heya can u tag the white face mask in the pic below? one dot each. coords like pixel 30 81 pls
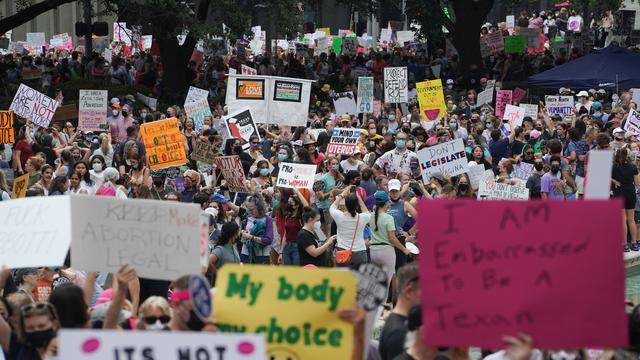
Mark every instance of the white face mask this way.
pixel 156 326
pixel 114 112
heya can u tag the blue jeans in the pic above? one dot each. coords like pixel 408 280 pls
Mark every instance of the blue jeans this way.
pixel 290 254
pixel 256 259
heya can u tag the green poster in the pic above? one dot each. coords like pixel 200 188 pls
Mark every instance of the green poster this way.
pixel 337 45
pixel 515 44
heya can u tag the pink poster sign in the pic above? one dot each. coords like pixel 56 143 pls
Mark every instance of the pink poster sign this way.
pixel 503 97
pixel 552 270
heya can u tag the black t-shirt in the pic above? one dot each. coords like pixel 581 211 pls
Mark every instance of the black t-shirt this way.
pixel 305 239
pixel 404 356
pixel 624 174
pixel 393 336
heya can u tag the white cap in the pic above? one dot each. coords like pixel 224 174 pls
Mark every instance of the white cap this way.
pixel 394 184
pixel 615 131
pixel 115 100
pixel 583 93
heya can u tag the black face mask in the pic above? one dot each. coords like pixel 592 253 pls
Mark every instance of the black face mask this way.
pixel 158 182
pixel 357 183
pixel 194 322
pixel 40 339
pixel 555 169
pixel 318 126
pixel 538 166
pixel 463 187
pixel 539 128
pixel 406 130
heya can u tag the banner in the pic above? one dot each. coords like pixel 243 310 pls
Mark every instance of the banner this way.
pixel 92 110
pixel 515 114
pixel 19 189
pixel 164 143
pixel 597 185
pixel 530 110
pixel 35 231
pixel 491 190
pixel 196 94
pixel 485 97
pixel 516 44
pixel 197 110
pixel 365 95
pixel 293 175
pixel 30 103
pixel 562 105
pixel 158 345
pixel 344 103
pixel 508 275
pixel 633 122
pixel 448 158
pixel 247 70
pixel 503 98
pixel 395 85
pixel 204 152
pixel 343 141
pixel 231 169
pixel 431 99
pixel 6 127
pixel 241 126
pixel 295 309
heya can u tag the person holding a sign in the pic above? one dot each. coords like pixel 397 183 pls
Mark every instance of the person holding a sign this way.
pixel 350 225
pixel 310 252
pixel 289 222
pixel 258 230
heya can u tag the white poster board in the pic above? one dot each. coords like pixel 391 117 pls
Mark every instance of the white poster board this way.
pixel 633 122
pixel 197 110
pixel 395 85
pixel 598 177
pixel 293 175
pixel 36 39
pixel 475 174
pixel 530 110
pixel 485 97
pixel 405 36
pixel 160 239
pixel 30 103
pixel 514 113
pixel 92 110
pixel 448 158
pixel 196 94
pixel 365 95
pixel 35 231
pixel 492 190
pixel 121 33
pixel 562 105
pixel 158 345
pixel 147 42
pixel 344 103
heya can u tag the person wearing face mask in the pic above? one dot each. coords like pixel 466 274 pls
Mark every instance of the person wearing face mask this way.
pixel 139 173
pixel 400 211
pixel 552 184
pixel 184 318
pixel 225 251
pixel 262 176
pixel 393 123
pixel 352 162
pixel 397 160
pixel 289 222
pixel 97 170
pixel 535 180
pixel 310 252
pixel 154 314
pixel 38 326
pixel 115 121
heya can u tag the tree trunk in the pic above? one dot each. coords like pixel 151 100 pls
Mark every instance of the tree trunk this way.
pixel 175 59
pixel 30 13
pixel 470 15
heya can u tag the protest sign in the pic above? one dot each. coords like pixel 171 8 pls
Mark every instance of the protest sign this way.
pixel 515 114
pixel 503 98
pixel 164 143
pixel 491 84
pixel 485 97
pixel 406 36
pixel 241 126
pixel 203 151
pixel 161 240
pixel 30 103
pixel 365 95
pixel 516 44
pixel 147 42
pixel 491 190
pixel 431 99
pixel 532 35
pixel 161 345
pixel 36 39
pixel 510 274
pixel 336 45
pixel 522 171
pixel 343 141
pixel 494 41
pixel 633 122
pixel 574 23
pixel 511 21
pixel 385 35
pixel 296 175
pixel 199 287
pixel 197 110
pixel 19 189
pixel 322 46
pixel 121 33
pixel 448 158
pixel 344 103
pixel 248 70
pixel 518 94
pixel 377 107
pixel 293 307
pixel 6 127
pixel 196 94
pixel 34 231
pixel 150 102
pixel 349 46
pixel 476 171
pixel 395 85
pixel 530 110
pixel 92 110
pixel 231 169
pixel 562 105
pixel 597 184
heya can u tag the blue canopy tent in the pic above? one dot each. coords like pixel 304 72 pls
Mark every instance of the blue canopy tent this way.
pixel 608 68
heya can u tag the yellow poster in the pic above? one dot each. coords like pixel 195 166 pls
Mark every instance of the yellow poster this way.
pixel 295 308
pixel 431 99
pixel 164 143
pixel 325 30
pixel 20 186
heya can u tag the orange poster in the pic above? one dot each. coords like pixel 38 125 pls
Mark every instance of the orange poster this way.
pixel 164 144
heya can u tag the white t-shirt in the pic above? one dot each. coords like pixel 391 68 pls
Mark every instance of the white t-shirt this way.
pixel 108 158
pixel 346 226
pixel 347 166
pixel 97 178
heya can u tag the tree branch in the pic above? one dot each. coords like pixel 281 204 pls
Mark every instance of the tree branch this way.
pixel 29 13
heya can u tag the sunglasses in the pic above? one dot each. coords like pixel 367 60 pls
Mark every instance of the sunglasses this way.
pixel 528 153
pixel 255 143
pixel 39 308
pixel 152 319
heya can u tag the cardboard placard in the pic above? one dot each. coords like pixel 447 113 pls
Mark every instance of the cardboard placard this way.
pixel 518 94
pixel 597 184
pixel 365 95
pixel 197 110
pixel 522 171
pixel 492 190
pixel 431 99
pixel 19 189
pixel 195 94
pixel 204 152
pixel 514 114
pixel 344 103
pixel 633 122
pixel 6 127
pixel 231 169
pixel 530 110
pixel 293 175
pixel 30 103
pixel 448 158
pixel 503 98
pixel 485 97
pixel 562 105
pixel 343 141
pixel 164 143
pixel 241 126
pixel 92 110
pixel 395 85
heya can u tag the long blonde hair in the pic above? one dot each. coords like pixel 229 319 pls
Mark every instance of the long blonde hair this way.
pixel 105 146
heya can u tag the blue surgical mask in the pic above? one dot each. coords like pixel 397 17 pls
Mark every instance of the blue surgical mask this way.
pixel 453 126
pixel 264 172
pixel 282 157
pixel 489 126
pixel 97 166
pixel 391 117
pixel 401 143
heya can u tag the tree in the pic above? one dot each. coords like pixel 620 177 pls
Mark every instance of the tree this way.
pixel 28 11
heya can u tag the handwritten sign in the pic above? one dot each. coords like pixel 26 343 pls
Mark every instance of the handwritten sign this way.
pixel 562 105
pixel 294 308
pixel 164 143
pixel 574 23
pixel 492 190
pixel 503 98
pixel 518 94
pixel 33 231
pixel 485 97
pixel 30 103
pixel 448 158
pixel 231 169
pixel 597 185
pixel 296 175
pixel 516 44
pixel 344 103
pixel 92 110
pixel 36 39
pixel 204 152
pixel 431 99
pixel 395 85
pixel 241 126
pixel 6 127
pixel 19 189
pixel 475 173
pixel 349 46
pixel 405 36
pixel 633 122
pixel 343 141
pixel 197 110
pixel 510 275
pixel 494 41
pixel 158 345
pixel 530 110
pixel 522 171
pixel 365 95
pixel 160 239
pixel 511 21
pixel 532 35
pixel 514 114
pixel 195 94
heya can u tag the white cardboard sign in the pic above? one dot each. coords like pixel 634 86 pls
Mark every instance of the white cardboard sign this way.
pixel 395 85
pixel 196 94
pixel 293 175
pixel 448 158
pixel 92 110
pixel 345 103
pixel 485 96
pixel 514 114
pixel 30 103
pixel 633 122
pixel 492 190
pixel 598 181
pixel 530 110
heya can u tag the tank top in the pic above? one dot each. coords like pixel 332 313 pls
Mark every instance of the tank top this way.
pixel 396 210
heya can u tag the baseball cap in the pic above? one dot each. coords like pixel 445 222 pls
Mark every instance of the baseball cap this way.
pixel 534 134
pixel 617 130
pixel 449 81
pixel 381 196
pixel 438 175
pixel 19 273
pixel 597 105
pixel 394 184
pixel 629 134
pixel 583 93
